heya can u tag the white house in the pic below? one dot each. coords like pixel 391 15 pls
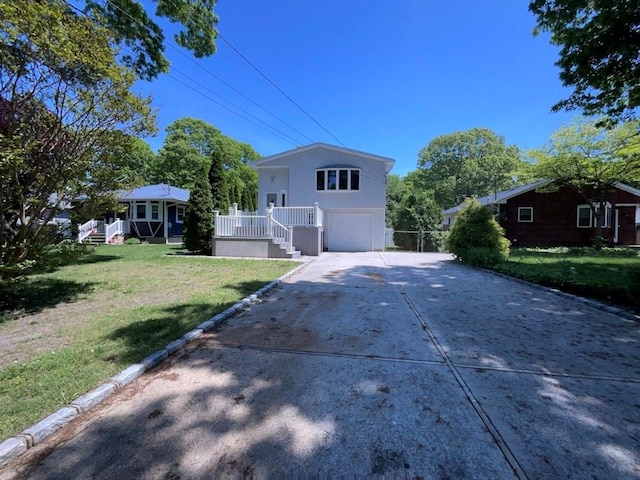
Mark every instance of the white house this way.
pixel 337 191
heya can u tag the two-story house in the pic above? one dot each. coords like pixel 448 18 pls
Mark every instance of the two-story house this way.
pixel 327 198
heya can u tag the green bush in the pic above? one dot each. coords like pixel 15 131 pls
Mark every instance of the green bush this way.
pixel 476 238
pixel 132 241
pixel 198 218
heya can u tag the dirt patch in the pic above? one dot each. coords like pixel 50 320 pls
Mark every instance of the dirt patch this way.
pixel 51 330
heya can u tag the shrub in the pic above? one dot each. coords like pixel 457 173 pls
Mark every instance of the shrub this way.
pixel 476 238
pixel 198 218
pixel 132 241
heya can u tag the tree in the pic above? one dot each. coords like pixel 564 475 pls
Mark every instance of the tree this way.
pixel 64 103
pixel 394 192
pixel 143 38
pixel 462 164
pixel 185 152
pixel 476 237
pixel 198 217
pixel 599 55
pixel 590 159
pixel 189 146
pixel 416 212
pixel 219 193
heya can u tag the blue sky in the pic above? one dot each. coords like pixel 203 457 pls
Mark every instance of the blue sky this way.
pixel 383 77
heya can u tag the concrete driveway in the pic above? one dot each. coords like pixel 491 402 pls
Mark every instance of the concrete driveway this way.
pixel 398 365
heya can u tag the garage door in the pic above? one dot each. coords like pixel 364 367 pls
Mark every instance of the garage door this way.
pixel 350 233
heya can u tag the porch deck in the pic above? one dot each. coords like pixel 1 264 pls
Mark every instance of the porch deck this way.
pixel 236 234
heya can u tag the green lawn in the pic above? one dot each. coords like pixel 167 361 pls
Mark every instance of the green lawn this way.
pixel 71 329
pixel 610 275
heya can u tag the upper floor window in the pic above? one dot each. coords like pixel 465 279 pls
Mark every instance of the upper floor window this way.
pixel 338 179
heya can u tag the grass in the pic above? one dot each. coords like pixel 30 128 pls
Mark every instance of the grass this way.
pixel 85 322
pixel 610 275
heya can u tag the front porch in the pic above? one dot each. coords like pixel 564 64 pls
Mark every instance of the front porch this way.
pixel 283 232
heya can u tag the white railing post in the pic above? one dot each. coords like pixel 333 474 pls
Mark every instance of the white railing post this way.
pixel 290 240
pixel 216 213
pixel 316 214
pixel 269 212
pixel 235 209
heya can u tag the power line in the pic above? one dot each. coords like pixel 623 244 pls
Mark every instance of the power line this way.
pixel 217 77
pixel 278 88
pixel 279 134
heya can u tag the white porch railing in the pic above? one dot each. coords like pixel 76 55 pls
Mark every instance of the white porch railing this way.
pixel 97 226
pixel 298 216
pixel 119 227
pixel 85 229
pixel 277 224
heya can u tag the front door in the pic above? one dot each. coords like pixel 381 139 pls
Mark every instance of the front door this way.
pixel 279 199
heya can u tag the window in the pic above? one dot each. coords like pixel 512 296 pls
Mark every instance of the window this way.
pixel 525 214
pixel 586 219
pixel 141 211
pixel 604 216
pixel 180 214
pixel 331 179
pixel 338 179
pixel 320 180
pixel 355 179
pixel 149 211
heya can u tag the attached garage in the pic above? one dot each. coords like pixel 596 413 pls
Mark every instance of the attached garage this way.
pixel 350 233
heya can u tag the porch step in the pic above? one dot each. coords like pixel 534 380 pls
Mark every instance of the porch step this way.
pixel 95 238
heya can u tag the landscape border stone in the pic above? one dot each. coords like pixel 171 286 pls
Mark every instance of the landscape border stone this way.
pixel 13 447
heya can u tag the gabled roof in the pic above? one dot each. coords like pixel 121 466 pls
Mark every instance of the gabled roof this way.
pixel 156 192
pixel 502 197
pixel 389 162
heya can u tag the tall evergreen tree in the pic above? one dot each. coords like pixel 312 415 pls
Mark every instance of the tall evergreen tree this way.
pixel 198 218
pixel 217 183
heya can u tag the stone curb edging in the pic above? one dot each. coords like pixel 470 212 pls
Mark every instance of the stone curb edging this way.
pixel 570 296
pixel 13 447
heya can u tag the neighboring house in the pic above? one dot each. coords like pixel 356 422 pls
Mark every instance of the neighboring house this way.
pixel 154 213
pixel 332 198
pixel 533 217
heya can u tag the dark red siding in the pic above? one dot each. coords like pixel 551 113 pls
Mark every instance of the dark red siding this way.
pixel 555 219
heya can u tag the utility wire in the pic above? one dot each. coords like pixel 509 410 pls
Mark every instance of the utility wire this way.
pixel 228 85
pixel 278 88
pixel 271 82
pixel 280 133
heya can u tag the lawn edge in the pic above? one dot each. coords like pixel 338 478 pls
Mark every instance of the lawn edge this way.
pixel 621 312
pixel 13 447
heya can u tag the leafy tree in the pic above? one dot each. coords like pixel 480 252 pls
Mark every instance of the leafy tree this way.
pixel 462 164
pixel 198 217
pixel 217 183
pixel 189 146
pixel 476 237
pixel 395 190
pixel 599 55
pixel 417 211
pixel 133 28
pixel 65 102
pixel 591 159
pixel 186 151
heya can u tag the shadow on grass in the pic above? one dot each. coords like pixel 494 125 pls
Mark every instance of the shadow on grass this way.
pixel 93 258
pixel 34 295
pixel 147 336
pixel 168 324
